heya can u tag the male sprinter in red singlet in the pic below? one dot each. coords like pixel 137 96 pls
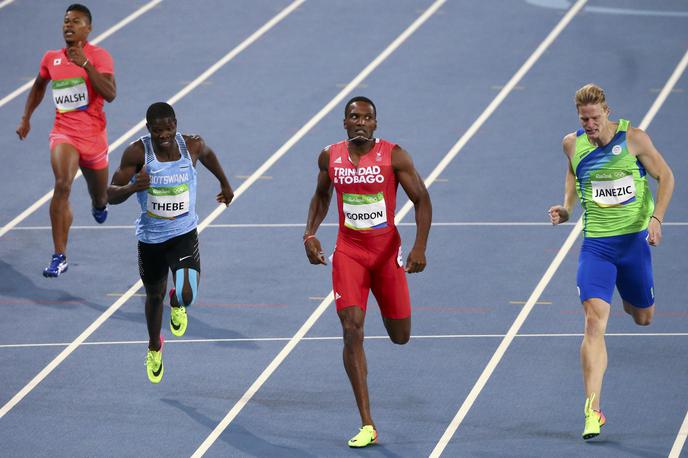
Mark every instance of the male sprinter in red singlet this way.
pixel 82 77
pixel 365 172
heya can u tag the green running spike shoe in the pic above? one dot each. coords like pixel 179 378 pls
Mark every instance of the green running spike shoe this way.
pixel 594 420
pixel 366 436
pixel 178 319
pixel 154 367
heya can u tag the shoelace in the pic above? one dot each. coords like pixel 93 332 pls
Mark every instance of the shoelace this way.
pixel 55 262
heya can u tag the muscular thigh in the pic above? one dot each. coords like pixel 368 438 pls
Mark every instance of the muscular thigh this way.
pixel 596 271
pixel 390 288
pixel 350 280
pixel 634 278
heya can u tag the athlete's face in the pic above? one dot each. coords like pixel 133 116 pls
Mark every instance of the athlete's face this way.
pixel 162 133
pixel 75 27
pixel 360 122
pixel 594 119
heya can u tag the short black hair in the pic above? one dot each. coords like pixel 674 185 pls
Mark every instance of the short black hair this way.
pixel 82 9
pixel 359 98
pixel 159 110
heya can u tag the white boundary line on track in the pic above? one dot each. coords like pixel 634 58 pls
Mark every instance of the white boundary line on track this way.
pixel 680 439
pixel 36 205
pixel 542 284
pixel 290 225
pixel 26 86
pixel 286 350
pixel 5 3
pixel 283 339
pixel 119 302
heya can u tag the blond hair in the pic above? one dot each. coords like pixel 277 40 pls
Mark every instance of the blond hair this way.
pixel 590 94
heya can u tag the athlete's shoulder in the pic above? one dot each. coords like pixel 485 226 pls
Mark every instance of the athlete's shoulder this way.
pixel 568 143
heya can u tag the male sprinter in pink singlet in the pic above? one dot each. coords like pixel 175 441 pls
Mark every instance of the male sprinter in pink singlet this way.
pixel 82 77
pixel 365 172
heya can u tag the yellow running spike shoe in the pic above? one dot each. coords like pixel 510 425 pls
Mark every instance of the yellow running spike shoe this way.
pixel 178 320
pixel 366 436
pixel 594 419
pixel 154 367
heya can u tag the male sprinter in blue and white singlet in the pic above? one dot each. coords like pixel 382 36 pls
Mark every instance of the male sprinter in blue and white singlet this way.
pixel 161 169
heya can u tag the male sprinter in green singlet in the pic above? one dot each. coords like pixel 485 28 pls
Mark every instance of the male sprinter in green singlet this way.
pixel 608 167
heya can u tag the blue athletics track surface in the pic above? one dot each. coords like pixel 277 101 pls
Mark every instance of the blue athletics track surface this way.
pixel 480 93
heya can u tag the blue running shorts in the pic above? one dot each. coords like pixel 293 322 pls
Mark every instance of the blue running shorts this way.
pixel 621 260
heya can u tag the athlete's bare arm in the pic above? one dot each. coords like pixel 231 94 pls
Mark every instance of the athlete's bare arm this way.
pixel 200 151
pixel 561 213
pixel 317 211
pixel 103 83
pixel 416 191
pixel 640 145
pixel 132 163
pixel 32 101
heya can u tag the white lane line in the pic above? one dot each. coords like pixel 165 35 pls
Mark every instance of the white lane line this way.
pixel 680 439
pixel 5 3
pixel 288 225
pixel 267 372
pixel 383 337
pixel 119 302
pixel 174 99
pixel 520 319
pixel 95 41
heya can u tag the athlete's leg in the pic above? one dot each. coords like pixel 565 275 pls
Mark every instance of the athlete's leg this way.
pixel 593 352
pixel 353 319
pixel 155 295
pixel 641 315
pixel 64 159
pixel 398 330
pixel 97 181
pixel 186 294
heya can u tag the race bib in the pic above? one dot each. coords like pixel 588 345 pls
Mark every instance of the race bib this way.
pixel 364 211
pixel 611 189
pixel 70 94
pixel 168 203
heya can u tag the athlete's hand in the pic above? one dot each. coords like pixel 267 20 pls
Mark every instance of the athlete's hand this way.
pixel 142 180
pixel 225 196
pixel 416 261
pixel 75 54
pixel 23 129
pixel 558 214
pixel 314 251
pixel 654 232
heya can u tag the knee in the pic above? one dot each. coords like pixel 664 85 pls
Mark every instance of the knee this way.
pixel 187 297
pixel 353 333
pixel 400 338
pixel 642 320
pixel 63 188
pixel 594 326
pixel 156 299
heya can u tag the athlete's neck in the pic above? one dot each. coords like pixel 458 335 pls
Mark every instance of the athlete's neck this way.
pixel 360 147
pixel 606 135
